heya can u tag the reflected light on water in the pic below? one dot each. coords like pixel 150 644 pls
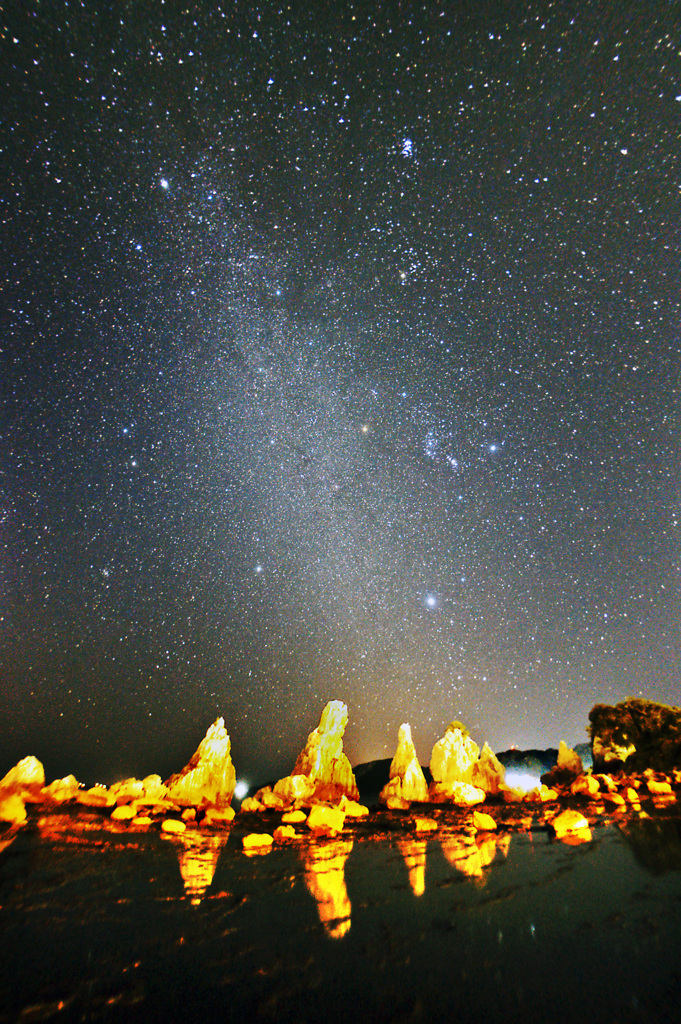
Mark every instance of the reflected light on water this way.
pixel 414 853
pixel 325 880
pixel 198 856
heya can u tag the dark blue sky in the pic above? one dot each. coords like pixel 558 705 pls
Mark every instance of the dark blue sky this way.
pixel 339 358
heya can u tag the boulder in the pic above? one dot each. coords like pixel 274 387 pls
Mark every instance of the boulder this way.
pixel 638 734
pixel 173 825
pixel 570 822
pixel 209 778
pixel 407 781
pixel 62 790
pixel 483 822
pixel 27 774
pixel 295 790
pixel 257 842
pixel 391 796
pixel 585 785
pixel 325 820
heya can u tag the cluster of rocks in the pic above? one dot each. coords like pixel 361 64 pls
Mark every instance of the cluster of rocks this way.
pixel 461 773
pixel 321 791
pixel 201 792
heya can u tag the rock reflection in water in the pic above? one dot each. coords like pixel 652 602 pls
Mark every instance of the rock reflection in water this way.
pixel 656 844
pixel 325 880
pixel 198 855
pixel 473 855
pixel 414 853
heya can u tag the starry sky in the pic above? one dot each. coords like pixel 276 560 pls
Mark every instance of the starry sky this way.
pixel 339 358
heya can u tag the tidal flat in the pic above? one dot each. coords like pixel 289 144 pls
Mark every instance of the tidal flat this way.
pixel 103 922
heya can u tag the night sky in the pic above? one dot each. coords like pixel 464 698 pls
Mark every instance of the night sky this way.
pixel 340 357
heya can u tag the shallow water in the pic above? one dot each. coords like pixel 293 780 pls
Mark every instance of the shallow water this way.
pixel 98 923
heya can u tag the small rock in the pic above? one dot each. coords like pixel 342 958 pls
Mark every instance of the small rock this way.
pixel 325 819
pixel 569 822
pixel 141 820
pixel 657 787
pixel 215 816
pixel 173 825
pixel 249 805
pixel 294 817
pixel 283 833
pixel 483 822
pixel 585 785
pixel 422 824
pixel 124 812
pixel 257 841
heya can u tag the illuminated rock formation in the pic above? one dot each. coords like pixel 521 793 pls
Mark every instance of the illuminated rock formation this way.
pixel 28 774
pixel 407 781
pixel 453 757
pixel 488 771
pixel 414 853
pixel 322 771
pixel 209 778
pixel 325 880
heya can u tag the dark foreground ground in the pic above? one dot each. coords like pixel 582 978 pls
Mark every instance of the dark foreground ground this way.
pixel 99 923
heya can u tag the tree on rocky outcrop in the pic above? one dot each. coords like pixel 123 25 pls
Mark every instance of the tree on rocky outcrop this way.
pixel 635 735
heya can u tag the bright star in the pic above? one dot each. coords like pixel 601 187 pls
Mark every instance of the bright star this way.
pixel 164 183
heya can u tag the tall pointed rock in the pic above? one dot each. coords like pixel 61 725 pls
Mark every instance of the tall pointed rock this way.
pixel 407 781
pixel 209 778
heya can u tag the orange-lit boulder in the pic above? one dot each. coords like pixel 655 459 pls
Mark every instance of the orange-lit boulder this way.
pixel 283 833
pixel 209 778
pixel 569 823
pixel 62 790
pixel 215 816
pixel 585 785
pixel 257 841
pixel 407 781
pixel 483 822
pixel 325 819
pixel 173 825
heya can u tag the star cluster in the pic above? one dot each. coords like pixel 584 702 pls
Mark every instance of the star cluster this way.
pixel 340 358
